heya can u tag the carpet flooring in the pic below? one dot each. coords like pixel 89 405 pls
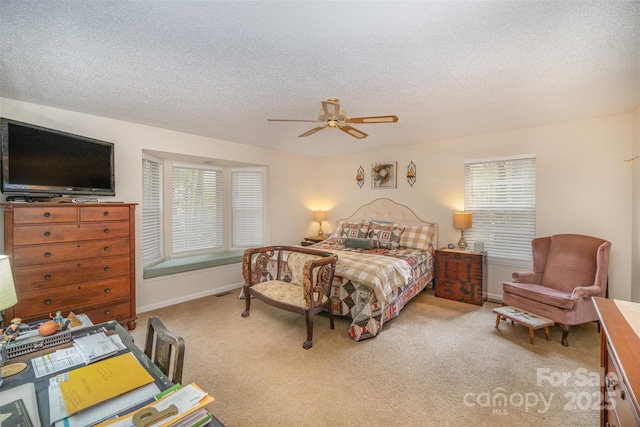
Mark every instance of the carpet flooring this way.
pixel 440 363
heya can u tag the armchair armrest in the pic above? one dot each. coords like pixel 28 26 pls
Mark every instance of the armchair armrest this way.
pixel 527 277
pixel 585 292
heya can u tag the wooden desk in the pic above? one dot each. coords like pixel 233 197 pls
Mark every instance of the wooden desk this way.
pixel 41 384
pixel 620 362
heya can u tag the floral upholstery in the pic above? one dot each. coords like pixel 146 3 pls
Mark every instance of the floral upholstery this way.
pixel 288 293
pixel 295 263
pixel 301 284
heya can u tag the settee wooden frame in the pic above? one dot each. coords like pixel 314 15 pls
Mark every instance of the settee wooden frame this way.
pixel 315 287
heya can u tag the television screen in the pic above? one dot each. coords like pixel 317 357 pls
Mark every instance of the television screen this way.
pixel 39 161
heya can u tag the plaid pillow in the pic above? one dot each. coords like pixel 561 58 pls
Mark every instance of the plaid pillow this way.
pixel 386 236
pixel 417 236
pixel 353 230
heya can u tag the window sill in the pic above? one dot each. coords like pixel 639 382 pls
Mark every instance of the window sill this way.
pixel 198 262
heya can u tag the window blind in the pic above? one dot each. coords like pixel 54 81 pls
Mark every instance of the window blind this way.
pixel 247 208
pixel 501 195
pixel 197 210
pixel 151 211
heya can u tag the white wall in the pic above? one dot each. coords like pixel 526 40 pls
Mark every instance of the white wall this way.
pixel 583 186
pixel 130 139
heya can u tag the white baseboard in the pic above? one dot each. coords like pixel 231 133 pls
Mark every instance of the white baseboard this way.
pixel 184 298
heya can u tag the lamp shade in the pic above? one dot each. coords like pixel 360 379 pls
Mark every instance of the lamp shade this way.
pixel 319 216
pixel 462 220
pixel 8 297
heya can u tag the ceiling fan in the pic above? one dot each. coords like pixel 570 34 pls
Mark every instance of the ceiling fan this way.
pixel 333 117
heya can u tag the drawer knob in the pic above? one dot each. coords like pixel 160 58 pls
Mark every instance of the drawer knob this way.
pixel 47 254
pixel 611 381
pixel 47 301
pixel 106 213
pixel 47 234
pixel 47 276
pixel 107 311
pixel 106 268
pixel 47 214
pixel 106 230
pixel 107 290
pixel 106 248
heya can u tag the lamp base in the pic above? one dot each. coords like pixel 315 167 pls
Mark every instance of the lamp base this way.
pixel 462 244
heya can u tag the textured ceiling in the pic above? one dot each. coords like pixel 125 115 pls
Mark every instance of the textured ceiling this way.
pixel 221 68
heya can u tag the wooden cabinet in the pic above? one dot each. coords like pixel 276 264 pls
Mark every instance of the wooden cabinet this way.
pixel 460 276
pixel 620 362
pixel 72 257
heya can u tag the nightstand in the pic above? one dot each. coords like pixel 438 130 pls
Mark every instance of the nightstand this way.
pixel 308 241
pixel 461 275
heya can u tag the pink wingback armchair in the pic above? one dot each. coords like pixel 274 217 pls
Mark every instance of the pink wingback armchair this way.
pixel 568 269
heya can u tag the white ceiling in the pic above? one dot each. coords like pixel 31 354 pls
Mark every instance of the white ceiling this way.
pixel 221 68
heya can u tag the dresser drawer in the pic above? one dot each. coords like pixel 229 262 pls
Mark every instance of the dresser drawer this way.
pixel 30 279
pixel 617 396
pixel 25 256
pixel 40 303
pixel 44 215
pixel 104 213
pixel 117 310
pixel 58 233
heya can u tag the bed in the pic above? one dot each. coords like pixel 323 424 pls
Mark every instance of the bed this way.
pixel 385 258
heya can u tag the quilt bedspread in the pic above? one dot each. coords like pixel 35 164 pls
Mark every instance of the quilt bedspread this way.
pixel 378 272
pixel 370 304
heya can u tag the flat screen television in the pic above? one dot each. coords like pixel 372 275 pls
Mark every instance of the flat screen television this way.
pixel 37 161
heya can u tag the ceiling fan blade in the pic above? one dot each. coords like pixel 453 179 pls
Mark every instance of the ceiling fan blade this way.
pixel 353 132
pixel 374 119
pixel 312 131
pixel 331 109
pixel 292 120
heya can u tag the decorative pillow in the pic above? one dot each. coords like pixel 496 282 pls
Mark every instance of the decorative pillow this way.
pixel 354 243
pixel 417 236
pixel 354 230
pixel 386 236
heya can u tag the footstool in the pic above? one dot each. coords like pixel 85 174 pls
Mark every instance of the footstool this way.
pixel 530 320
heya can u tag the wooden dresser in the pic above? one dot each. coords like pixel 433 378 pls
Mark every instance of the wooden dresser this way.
pixel 460 276
pixel 620 362
pixel 72 257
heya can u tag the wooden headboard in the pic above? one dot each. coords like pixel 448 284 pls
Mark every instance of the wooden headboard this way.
pixel 387 210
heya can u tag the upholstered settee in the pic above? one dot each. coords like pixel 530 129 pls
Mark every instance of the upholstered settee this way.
pixel 568 269
pixel 301 284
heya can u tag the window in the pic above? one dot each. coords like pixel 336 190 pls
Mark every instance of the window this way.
pixel 151 209
pixel 248 208
pixel 196 209
pixel 200 210
pixel 501 195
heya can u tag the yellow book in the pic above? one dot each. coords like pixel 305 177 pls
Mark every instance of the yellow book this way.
pixel 100 381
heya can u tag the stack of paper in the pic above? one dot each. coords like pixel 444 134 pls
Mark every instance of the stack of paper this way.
pixel 189 401
pixel 94 347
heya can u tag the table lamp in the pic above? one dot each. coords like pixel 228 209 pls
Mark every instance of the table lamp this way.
pixel 8 298
pixel 462 221
pixel 319 216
